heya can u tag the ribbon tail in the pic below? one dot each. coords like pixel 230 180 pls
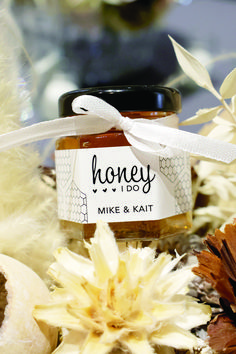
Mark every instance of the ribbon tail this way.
pixel 69 126
pixel 178 139
pixel 35 132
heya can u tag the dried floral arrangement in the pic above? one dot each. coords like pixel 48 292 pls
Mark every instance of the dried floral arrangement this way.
pixel 217 182
pixel 130 300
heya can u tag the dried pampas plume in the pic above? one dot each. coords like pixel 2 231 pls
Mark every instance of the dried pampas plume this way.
pixel 29 229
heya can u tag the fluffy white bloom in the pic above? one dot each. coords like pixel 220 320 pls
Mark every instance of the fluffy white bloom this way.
pixel 129 300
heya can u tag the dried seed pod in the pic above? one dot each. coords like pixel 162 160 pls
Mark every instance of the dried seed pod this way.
pixel 20 290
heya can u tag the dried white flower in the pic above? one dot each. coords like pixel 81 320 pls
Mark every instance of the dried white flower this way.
pixel 129 300
pixel 214 180
pixel 198 73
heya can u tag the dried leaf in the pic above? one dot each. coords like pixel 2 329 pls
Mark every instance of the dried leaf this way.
pixel 218 267
pixel 222 121
pixel 222 334
pixel 228 87
pixel 210 268
pixel 202 116
pixel 192 67
pixel 214 244
pixel 233 100
pixel 228 249
pixel 222 132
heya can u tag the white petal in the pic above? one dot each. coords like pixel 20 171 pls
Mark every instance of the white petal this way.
pixel 61 296
pixel 168 310
pixel 71 343
pixel 71 283
pixel 75 263
pixel 195 315
pixel 57 316
pixel 138 261
pixel 112 335
pixel 174 283
pixel 138 345
pixel 159 266
pixel 93 344
pixel 104 251
pixel 175 337
pixel 84 317
pixel 140 321
pixel 171 265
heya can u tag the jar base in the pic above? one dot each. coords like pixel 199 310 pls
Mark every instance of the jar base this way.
pixel 133 231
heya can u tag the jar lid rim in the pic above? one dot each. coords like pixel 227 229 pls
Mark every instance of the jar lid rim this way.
pixel 127 98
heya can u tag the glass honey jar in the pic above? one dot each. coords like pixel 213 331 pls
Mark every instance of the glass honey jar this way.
pixel 101 176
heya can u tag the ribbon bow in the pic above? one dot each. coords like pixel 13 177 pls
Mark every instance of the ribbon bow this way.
pixel 97 116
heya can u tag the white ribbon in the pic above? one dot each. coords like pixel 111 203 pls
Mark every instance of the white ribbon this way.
pixel 97 116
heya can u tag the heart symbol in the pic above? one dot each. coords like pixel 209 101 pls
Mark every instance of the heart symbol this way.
pixel 114 189
pixel 104 190
pixel 94 190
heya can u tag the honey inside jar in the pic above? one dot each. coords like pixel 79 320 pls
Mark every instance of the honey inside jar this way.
pixel 140 228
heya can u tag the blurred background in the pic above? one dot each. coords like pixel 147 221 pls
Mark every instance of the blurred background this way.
pixel 73 44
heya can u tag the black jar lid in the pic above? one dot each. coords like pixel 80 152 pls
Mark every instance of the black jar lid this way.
pixel 127 98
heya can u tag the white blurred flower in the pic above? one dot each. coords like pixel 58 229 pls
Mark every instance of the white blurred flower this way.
pixel 95 3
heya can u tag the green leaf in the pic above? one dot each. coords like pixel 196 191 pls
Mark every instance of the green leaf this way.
pixel 228 87
pixel 192 67
pixel 203 116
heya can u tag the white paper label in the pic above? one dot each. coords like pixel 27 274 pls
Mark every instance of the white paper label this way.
pixel 121 184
